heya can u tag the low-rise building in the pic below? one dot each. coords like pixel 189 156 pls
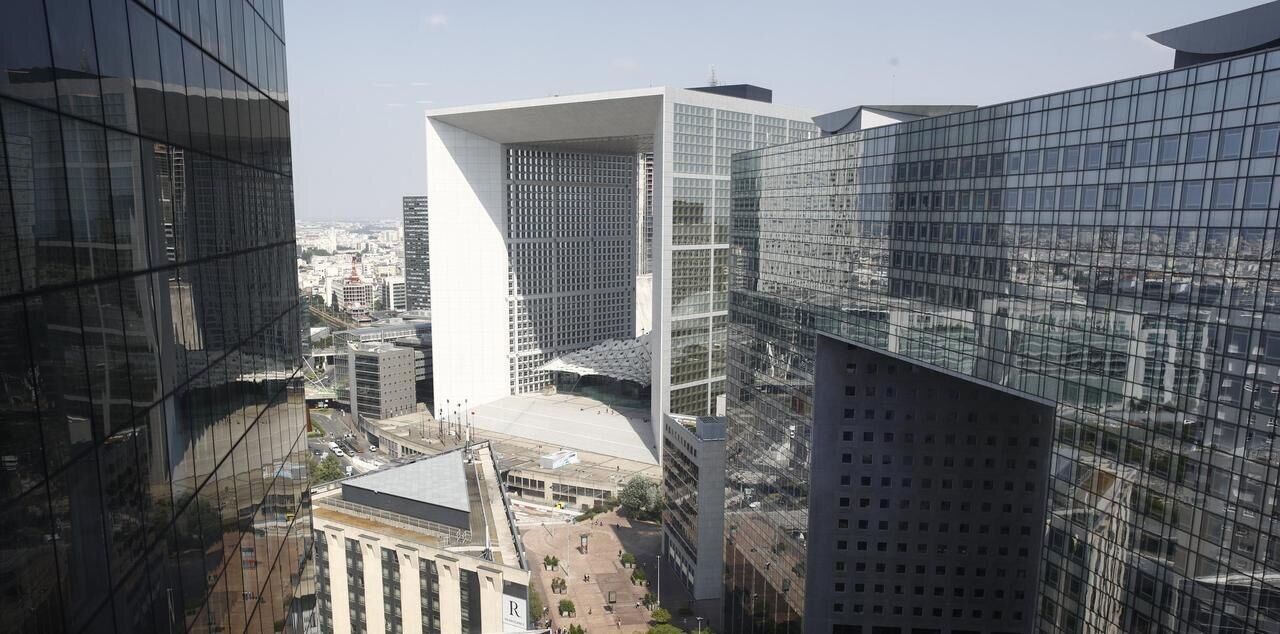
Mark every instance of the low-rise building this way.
pixel 425 546
pixel 693 490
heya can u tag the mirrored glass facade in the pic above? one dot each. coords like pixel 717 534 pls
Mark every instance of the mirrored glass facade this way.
pixel 705 140
pixel 152 457
pixel 1106 253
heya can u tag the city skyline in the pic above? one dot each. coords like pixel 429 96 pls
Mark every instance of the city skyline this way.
pixel 358 127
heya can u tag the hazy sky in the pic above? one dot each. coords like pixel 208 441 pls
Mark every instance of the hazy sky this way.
pixel 362 73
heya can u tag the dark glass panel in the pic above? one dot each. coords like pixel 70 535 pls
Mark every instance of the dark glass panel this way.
pixel 175 92
pixel 189 11
pixel 10 267
pixel 37 180
pixel 89 194
pixel 209 25
pixel 75 58
pixel 213 99
pixel 33 599
pixel 193 60
pixel 149 81
pixel 115 64
pixel 26 71
pixel 76 499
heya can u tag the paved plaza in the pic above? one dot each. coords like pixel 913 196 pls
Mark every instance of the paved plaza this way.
pixel 572 421
pixel 605 539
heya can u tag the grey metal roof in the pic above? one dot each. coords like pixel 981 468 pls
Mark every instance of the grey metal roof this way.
pixel 440 480
pixel 1231 33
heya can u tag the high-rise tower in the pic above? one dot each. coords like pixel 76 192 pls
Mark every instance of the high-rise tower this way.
pixel 417 254
pixel 152 460
pixel 1015 368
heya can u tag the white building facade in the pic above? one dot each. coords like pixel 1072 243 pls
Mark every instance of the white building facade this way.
pixel 539 227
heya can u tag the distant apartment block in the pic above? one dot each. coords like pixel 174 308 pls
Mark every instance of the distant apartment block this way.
pixel 417 254
pixel 393 293
pixel 352 295
pixel 425 546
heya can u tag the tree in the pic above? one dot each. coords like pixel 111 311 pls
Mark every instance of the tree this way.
pixel 640 495
pixel 566 607
pixel 328 470
pixel 638 576
pixel 650 600
pixel 665 628
pixel 660 616
pixel 628 560
pixel 535 604
pixel 576 629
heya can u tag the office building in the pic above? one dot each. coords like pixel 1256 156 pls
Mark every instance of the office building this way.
pixel 1014 368
pixel 417 254
pixel 548 205
pixel 351 294
pixel 423 372
pixel 152 419
pixel 425 546
pixel 375 380
pixel 693 508
pixel 393 293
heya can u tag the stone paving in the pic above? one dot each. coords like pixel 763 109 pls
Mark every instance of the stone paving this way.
pixel 608 534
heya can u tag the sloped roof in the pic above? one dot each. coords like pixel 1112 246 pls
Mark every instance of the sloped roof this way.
pixel 623 359
pixel 836 122
pixel 1231 33
pixel 440 480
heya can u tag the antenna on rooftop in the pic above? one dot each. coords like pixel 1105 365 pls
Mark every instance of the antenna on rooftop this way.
pixel 713 81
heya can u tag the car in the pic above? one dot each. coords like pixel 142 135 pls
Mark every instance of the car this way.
pixel 373 448
pixel 339 453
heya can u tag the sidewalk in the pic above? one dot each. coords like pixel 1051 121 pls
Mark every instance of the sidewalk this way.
pixel 602 564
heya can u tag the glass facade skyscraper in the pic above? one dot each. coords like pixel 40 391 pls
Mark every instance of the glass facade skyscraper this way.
pixel 152 455
pixel 417 253
pixel 919 311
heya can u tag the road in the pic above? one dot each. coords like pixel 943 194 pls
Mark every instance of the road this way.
pixel 336 424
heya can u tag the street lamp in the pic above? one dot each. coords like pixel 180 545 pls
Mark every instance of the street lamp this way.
pixel 659 579
pixel 699 624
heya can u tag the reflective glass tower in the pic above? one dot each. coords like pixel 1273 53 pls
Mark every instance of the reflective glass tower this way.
pixel 152 456
pixel 417 254
pixel 1014 368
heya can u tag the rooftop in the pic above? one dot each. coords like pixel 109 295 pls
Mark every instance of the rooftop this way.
pixel 419 433
pixel 1243 31
pixel 613 121
pixel 419 501
pixel 438 481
